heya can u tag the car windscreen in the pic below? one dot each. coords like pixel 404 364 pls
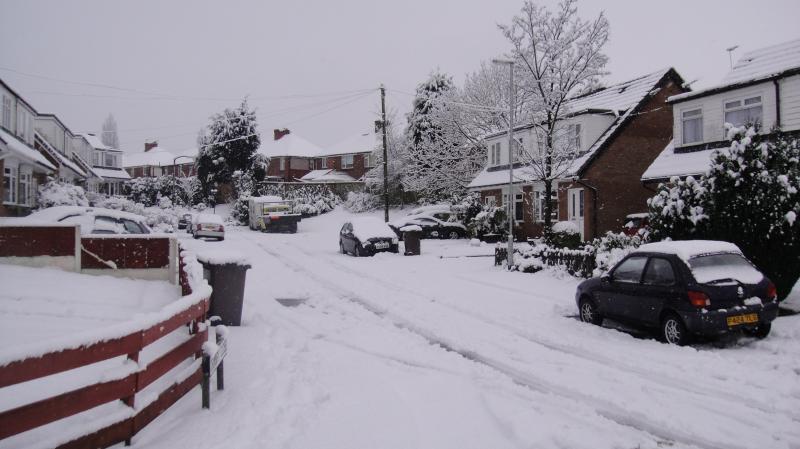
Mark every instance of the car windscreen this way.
pixel 716 267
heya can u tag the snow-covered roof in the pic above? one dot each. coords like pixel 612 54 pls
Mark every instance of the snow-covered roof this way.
pixel 158 157
pixel 686 249
pixel 96 143
pixel 622 99
pixel 289 145
pixel 365 142
pixel 669 164
pixel 111 173
pixel 327 175
pixel 761 64
pixel 21 149
pixel 63 160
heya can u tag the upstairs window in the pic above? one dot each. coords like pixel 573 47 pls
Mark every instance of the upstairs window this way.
pixel 494 154
pixel 347 161
pixel 369 160
pixel 519 149
pixel 22 124
pixel 110 160
pixel 96 158
pixel 692 123
pixel 747 111
pixel 575 137
pixel 6 112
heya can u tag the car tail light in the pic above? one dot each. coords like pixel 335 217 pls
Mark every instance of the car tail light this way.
pixel 772 292
pixel 221 229
pixel 199 227
pixel 699 299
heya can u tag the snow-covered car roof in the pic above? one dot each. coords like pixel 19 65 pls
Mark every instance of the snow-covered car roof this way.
pixel 687 249
pixel 433 208
pixel 413 219
pixel 366 228
pixel 208 219
pixel 57 214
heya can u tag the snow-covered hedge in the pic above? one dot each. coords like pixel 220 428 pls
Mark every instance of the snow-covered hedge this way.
pixel 150 191
pixel 56 193
pixel 308 200
pixel 592 259
pixel 362 202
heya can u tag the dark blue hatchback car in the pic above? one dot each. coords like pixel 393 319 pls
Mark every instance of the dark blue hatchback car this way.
pixel 682 289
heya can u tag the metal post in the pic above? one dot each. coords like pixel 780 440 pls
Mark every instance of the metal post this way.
pixel 220 368
pixel 385 157
pixel 511 196
pixel 206 385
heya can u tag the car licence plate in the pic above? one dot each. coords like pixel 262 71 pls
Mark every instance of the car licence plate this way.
pixel 742 319
pixel 381 245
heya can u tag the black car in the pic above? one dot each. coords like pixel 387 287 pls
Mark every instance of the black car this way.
pixel 432 227
pixel 365 236
pixel 682 289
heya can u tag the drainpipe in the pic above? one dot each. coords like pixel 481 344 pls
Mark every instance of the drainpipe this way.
pixel 777 103
pixel 594 204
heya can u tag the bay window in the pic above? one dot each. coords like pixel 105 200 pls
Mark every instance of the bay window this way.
pixel 10 185
pixel 692 124
pixel 24 194
pixel 747 111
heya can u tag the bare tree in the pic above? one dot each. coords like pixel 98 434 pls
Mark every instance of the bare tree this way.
pixel 557 56
pixel 110 136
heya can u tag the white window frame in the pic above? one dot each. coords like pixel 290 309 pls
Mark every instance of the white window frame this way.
pixel 684 119
pixel 6 112
pixel 490 201
pixel 369 160
pixel 575 131
pixel 110 157
pixel 519 206
pixel 24 196
pixel 12 173
pixel 281 163
pixel 347 161
pixel 742 106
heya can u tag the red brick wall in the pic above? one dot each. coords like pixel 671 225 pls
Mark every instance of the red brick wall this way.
pixel 288 174
pixel 357 171
pixel 617 171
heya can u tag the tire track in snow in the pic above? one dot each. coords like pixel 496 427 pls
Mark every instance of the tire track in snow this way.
pixel 652 376
pixel 602 408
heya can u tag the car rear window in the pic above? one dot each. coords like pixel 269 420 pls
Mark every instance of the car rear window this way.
pixel 716 267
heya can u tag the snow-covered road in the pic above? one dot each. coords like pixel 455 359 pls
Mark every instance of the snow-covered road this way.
pixel 401 352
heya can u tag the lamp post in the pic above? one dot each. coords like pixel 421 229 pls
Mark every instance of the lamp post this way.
pixel 511 197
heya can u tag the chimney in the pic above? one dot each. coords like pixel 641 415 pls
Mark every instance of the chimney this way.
pixel 278 133
pixel 150 145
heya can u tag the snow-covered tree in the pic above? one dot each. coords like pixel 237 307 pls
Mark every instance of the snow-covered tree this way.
pixel 229 145
pixel 557 55
pixel 751 197
pixel 110 135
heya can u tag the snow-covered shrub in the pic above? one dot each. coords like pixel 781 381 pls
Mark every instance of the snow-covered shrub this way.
pixel 240 211
pixel 750 197
pixel 159 219
pixel 610 249
pixel 467 207
pixel 564 234
pixel 491 220
pixel 308 200
pixel 150 191
pixel 362 202
pixel 56 193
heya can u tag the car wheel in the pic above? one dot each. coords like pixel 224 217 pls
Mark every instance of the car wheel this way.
pixel 452 235
pixel 759 332
pixel 673 331
pixel 589 312
pixel 195 236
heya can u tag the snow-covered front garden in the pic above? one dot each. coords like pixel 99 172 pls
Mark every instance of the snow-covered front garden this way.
pixel 444 350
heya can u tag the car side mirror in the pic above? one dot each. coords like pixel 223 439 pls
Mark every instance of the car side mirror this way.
pixel 605 278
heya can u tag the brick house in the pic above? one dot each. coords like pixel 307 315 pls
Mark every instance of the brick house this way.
pixel 353 156
pixel 290 156
pixel 22 165
pixel 763 87
pixel 158 161
pixel 618 130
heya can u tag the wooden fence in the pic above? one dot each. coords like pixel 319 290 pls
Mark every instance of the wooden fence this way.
pixel 193 314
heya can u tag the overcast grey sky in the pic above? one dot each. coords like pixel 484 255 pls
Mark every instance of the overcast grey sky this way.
pixel 200 56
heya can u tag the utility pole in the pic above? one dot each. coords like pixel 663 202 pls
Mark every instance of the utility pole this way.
pixel 511 196
pixel 385 157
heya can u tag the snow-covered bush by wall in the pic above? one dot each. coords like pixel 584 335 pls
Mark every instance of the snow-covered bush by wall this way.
pixel 750 197
pixel 150 191
pixel 308 200
pixel 564 234
pixel 56 193
pixel 491 220
pixel 362 202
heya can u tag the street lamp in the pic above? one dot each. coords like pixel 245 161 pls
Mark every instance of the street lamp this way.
pixel 511 215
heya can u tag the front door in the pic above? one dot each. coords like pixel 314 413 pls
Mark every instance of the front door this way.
pixel 575 208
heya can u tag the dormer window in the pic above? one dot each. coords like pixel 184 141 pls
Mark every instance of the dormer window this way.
pixel 575 136
pixel 494 154
pixel 6 112
pixel 692 124
pixel 519 149
pixel 744 111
